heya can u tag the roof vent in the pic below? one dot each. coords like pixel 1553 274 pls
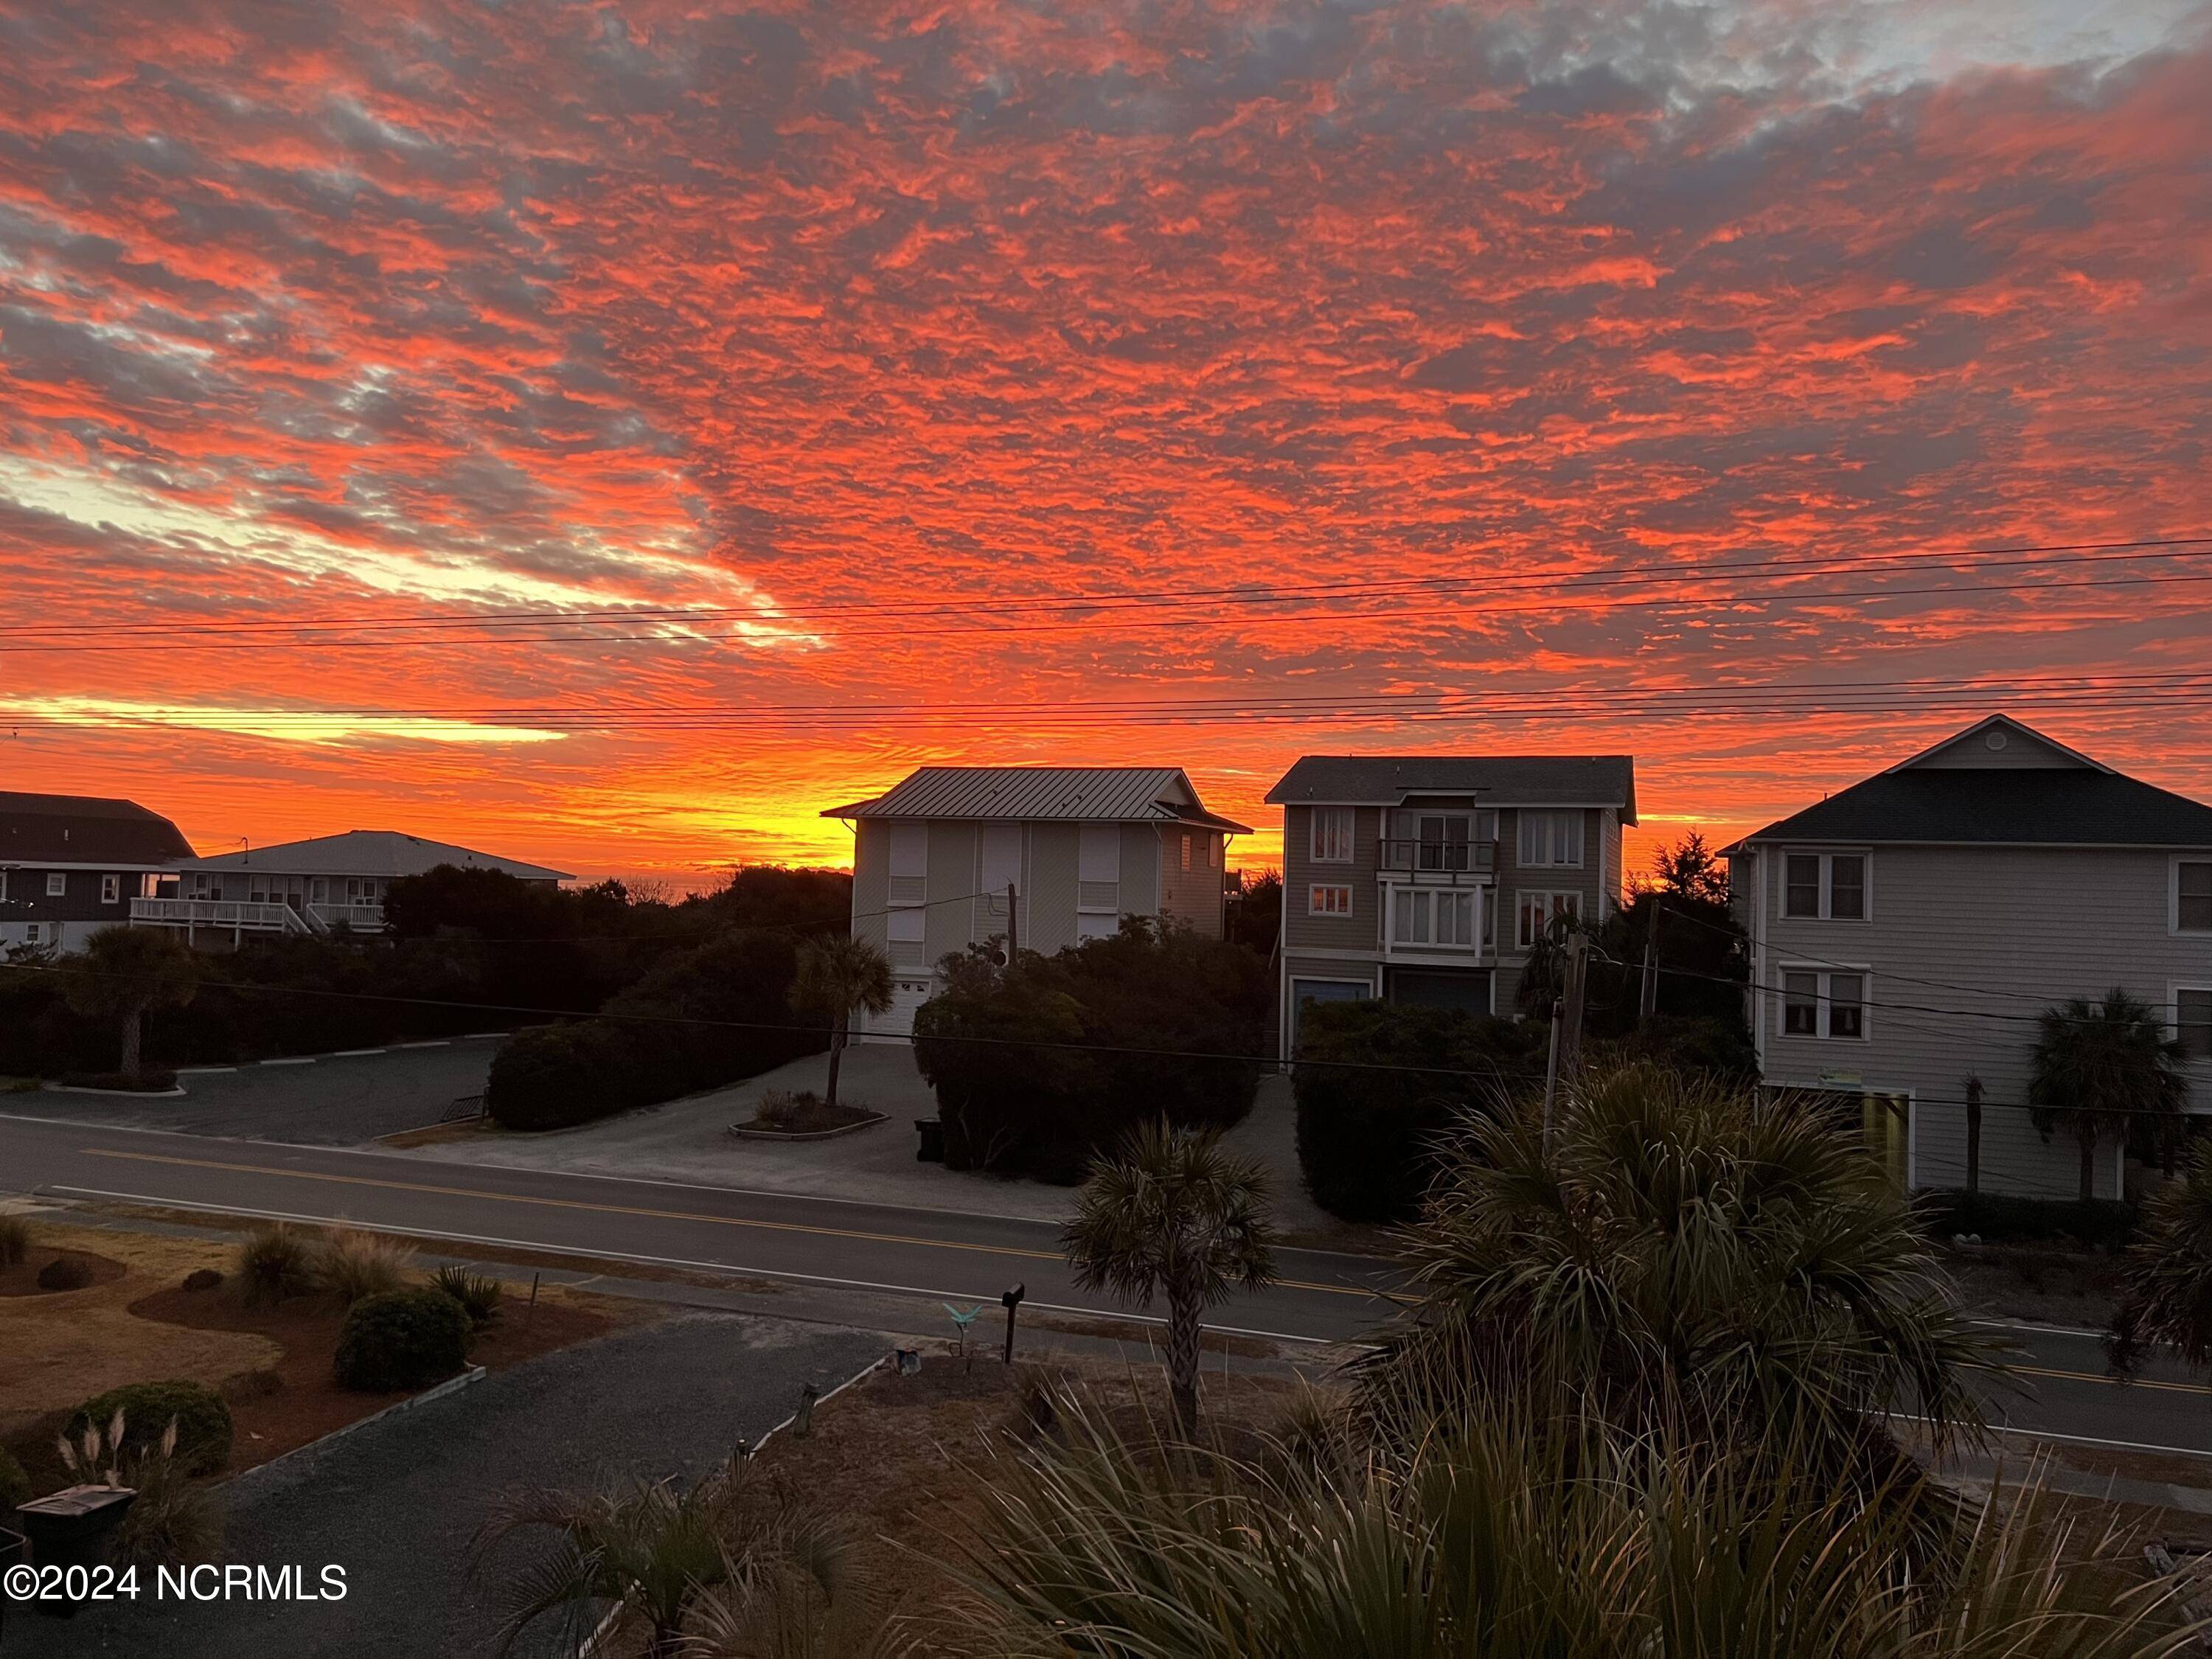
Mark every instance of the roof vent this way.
pixel 1995 739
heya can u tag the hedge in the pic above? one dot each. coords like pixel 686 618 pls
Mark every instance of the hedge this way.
pixel 401 1339
pixel 202 1420
pixel 1997 1219
pixel 1368 1137
pixel 710 1016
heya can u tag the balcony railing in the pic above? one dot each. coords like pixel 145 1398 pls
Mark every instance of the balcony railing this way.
pixel 1443 862
pixel 360 918
pixel 220 913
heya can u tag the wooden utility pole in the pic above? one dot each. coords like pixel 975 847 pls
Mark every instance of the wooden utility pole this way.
pixel 1973 1135
pixel 1648 1004
pixel 1571 1042
pixel 1552 1070
pixel 1013 926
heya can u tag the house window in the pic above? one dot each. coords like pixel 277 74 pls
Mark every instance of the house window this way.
pixel 110 889
pixel 1420 916
pixel 2192 1012
pixel 1846 1005
pixel 1825 886
pixel 1539 910
pixel 1326 901
pixel 1214 851
pixel 1800 1004
pixel 1551 838
pixel 1186 850
pixel 34 933
pixel 56 885
pixel 2192 905
pixel 3 886
pixel 1332 834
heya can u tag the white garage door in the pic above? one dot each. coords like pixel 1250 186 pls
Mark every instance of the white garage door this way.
pixel 907 994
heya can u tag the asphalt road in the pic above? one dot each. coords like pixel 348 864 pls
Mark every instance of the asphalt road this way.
pixel 326 1100
pixel 839 1247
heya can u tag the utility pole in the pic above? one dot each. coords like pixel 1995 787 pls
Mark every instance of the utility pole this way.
pixel 1648 1004
pixel 1013 927
pixel 1571 1043
pixel 1974 1136
pixel 1552 1072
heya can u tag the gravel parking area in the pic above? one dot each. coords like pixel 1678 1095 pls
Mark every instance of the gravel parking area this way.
pixel 329 1100
pixel 397 1503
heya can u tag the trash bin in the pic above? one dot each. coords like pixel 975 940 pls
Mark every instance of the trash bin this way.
pixel 69 1529
pixel 932 1131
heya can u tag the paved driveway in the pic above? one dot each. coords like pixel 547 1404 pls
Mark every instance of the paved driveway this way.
pixel 397 1503
pixel 332 1100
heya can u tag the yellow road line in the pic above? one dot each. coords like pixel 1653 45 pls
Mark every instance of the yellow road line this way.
pixel 2114 1382
pixel 625 1209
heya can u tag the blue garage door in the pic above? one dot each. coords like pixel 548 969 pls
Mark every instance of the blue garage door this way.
pixel 1304 991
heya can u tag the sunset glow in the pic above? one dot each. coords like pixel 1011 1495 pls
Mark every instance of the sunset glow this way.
pixel 609 434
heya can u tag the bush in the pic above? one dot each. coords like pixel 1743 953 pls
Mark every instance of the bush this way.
pixel 2098 1223
pixel 350 1265
pixel 1368 1140
pixel 202 1278
pixel 477 1293
pixel 273 1264
pixel 15 1485
pixel 66 1273
pixel 711 1016
pixel 402 1340
pixel 15 1240
pixel 1040 1067
pixel 203 1421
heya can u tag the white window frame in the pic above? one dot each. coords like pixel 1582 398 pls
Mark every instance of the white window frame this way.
pixel 34 933
pixel 1552 819
pixel 2174 990
pixel 1332 837
pixel 1822 974
pixel 57 884
pixel 1553 909
pixel 2173 894
pixel 1316 908
pixel 110 889
pixel 3 886
pixel 1423 903
pixel 1864 855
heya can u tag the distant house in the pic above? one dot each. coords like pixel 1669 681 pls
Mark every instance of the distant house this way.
pixel 1907 932
pixel 1080 848
pixel 316 886
pixel 1427 878
pixel 71 865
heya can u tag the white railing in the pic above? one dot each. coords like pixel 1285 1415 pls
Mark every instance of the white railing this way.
pixel 219 913
pixel 361 917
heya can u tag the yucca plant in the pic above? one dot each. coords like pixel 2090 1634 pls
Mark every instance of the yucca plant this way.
pixel 2168 1299
pixel 479 1293
pixel 1684 1254
pixel 350 1265
pixel 1173 1214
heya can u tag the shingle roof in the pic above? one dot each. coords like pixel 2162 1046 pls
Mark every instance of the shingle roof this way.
pixel 86 829
pixel 2033 807
pixel 1504 780
pixel 385 853
pixel 1093 794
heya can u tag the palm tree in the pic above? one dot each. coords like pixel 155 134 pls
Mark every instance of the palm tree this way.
pixel 123 972
pixel 2169 1272
pixel 2103 1068
pixel 1174 1214
pixel 1684 1257
pixel 691 1564
pixel 838 975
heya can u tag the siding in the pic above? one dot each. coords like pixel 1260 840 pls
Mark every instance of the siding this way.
pixel 1362 930
pixel 1140 870
pixel 953 874
pixel 2020 927
pixel 1192 896
pixel 872 882
pixel 1048 901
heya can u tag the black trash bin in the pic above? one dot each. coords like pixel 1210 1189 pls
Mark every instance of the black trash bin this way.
pixel 932 1131
pixel 69 1529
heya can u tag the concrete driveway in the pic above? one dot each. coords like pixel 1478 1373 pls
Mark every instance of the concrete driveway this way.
pixel 688 1140
pixel 397 1503
pixel 329 1100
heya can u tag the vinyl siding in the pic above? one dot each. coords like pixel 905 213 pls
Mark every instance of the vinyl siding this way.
pixel 953 874
pixel 1360 931
pixel 872 882
pixel 1192 896
pixel 1140 870
pixel 1048 909
pixel 2020 928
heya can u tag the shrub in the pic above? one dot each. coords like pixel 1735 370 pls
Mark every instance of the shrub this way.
pixel 402 1340
pixel 202 1278
pixel 273 1264
pixel 202 1420
pixel 1368 1140
pixel 477 1293
pixel 1040 1067
pixel 15 1485
pixel 1997 1219
pixel 171 1520
pixel 350 1265
pixel 15 1240
pixel 66 1273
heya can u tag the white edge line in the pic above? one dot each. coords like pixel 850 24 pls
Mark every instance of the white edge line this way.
pixel 291 1060
pixel 730 1268
pixel 2082 1440
pixel 480 1037
pixel 203 1071
pixel 2034 1330
pixel 352 1054
pixel 435 1042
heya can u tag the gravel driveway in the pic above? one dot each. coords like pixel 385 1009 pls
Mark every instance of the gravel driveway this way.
pixel 397 1503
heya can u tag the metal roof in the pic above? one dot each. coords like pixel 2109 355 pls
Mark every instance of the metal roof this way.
pixel 385 853
pixel 1087 794
pixel 1496 780
pixel 86 829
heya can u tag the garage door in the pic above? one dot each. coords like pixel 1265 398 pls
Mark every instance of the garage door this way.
pixel 1304 991
pixel 895 1025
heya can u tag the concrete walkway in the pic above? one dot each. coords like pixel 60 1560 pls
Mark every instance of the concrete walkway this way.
pixel 689 1140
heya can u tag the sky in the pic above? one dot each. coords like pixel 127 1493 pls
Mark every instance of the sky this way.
pixel 609 434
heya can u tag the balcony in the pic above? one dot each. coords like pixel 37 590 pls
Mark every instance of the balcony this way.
pixel 360 918
pixel 234 915
pixel 1439 863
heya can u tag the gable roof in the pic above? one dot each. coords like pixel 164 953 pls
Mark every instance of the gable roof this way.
pixel 2041 793
pixel 386 852
pixel 1503 780
pixel 1076 794
pixel 86 829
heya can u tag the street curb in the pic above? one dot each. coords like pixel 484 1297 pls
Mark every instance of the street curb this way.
pixel 745 1132
pixel 468 1378
pixel 112 1094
